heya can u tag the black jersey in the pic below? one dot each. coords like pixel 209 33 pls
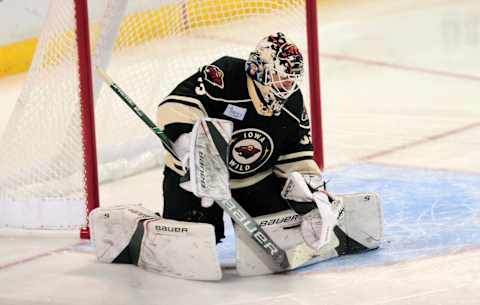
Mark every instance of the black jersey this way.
pixel 262 144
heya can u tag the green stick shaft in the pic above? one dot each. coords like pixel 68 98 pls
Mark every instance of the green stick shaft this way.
pixel 124 97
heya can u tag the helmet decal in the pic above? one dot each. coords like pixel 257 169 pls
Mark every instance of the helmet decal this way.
pixel 277 64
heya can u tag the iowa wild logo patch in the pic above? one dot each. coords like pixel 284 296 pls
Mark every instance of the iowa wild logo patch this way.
pixel 213 75
pixel 249 150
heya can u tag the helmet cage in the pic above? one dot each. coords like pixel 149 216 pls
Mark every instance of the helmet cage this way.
pixel 281 84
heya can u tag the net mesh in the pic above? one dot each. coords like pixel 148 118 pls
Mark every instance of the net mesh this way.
pixel 147 47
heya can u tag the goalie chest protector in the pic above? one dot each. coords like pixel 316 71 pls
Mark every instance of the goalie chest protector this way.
pixel 259 141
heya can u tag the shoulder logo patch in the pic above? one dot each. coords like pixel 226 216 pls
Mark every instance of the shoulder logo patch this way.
pixel 249 149
pixel 214 75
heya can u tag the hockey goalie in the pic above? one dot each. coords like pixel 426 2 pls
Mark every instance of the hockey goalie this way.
pixel 241 134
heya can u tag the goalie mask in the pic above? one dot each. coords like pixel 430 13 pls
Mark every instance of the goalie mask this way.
pixel 276 66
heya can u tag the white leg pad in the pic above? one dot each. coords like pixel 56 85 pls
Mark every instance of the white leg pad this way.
pixel 363 218
pixel 113 227
pixel 180 249
pixel 284 229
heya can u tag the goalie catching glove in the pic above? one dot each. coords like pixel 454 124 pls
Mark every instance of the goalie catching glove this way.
pixel 318 219
pixel 207 173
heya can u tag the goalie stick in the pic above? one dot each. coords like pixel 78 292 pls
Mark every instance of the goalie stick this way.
pixel 163 137
pixel 286 260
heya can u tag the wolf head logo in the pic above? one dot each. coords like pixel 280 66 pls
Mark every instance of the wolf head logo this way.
pixel 247 151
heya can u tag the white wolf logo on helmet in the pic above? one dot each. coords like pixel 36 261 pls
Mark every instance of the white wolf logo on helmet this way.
pixel 277 65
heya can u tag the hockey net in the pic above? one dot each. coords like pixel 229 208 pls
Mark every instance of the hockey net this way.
pixel 147 47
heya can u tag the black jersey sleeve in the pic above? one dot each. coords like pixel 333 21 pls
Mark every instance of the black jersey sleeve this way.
pixel 204 94
pixel 178 112
pixel 297 152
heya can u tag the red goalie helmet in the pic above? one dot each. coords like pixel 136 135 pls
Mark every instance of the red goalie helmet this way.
pixel 277 65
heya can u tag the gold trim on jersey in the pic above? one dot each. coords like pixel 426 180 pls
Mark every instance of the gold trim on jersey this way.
pixel 299 154
pixel 256 100
pixel 309 167
pixel 245 182
pixel 173 164
pixel 168 113
pixel 185 99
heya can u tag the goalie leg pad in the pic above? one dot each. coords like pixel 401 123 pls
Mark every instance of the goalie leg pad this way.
pixel 112 229
pixel 284 229
pixel 360 227
pixel 180 249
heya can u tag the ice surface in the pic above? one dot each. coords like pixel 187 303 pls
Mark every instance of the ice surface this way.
pixel 401 117
pixel 427 213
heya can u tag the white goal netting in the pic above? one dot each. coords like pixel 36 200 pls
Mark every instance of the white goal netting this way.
pixel 147 47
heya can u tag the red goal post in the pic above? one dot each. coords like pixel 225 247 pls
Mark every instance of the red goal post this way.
pixel 67 133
